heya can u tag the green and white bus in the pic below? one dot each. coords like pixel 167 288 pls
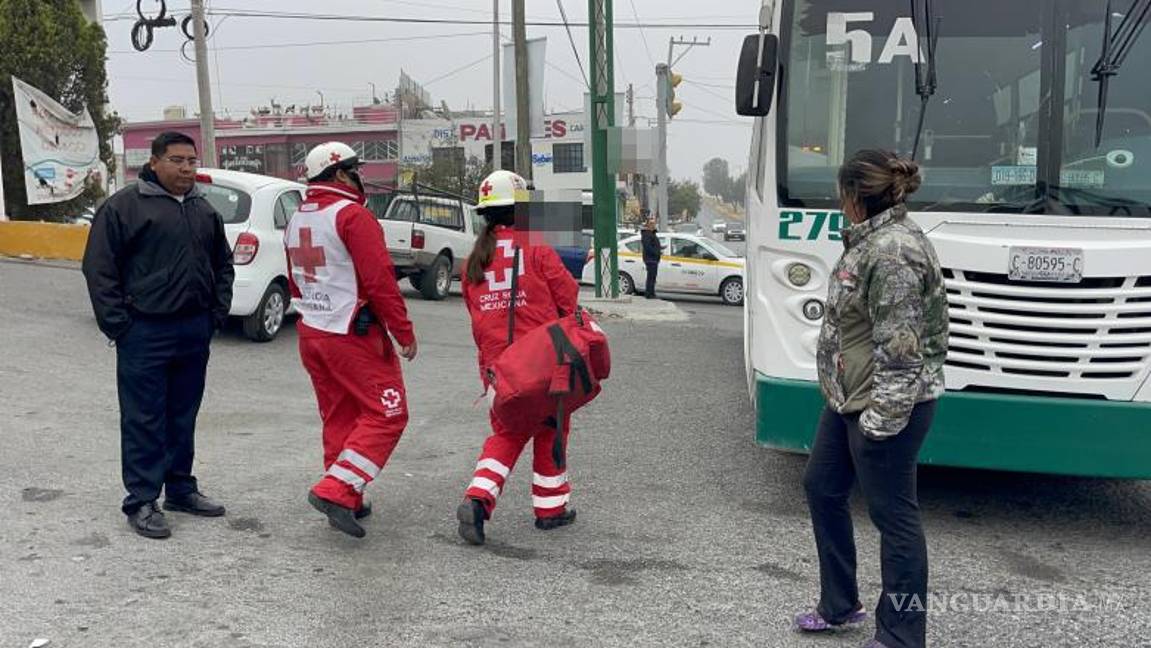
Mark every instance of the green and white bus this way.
pixel 1031 120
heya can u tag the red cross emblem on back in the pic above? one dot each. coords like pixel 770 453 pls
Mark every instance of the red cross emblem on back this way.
pixel 307 257
pixel 486 190
pixel 335 157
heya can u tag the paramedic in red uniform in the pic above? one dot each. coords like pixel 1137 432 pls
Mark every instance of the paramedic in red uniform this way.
pixel 546 291
pixel 345 289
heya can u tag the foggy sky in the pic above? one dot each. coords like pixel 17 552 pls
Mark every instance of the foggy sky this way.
pixel 141 84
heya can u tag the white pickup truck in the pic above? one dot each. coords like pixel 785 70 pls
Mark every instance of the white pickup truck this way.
pixel 428 238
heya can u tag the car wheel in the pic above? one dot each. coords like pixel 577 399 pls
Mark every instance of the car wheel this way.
pixel 436 282
pixel 731 292
pixel 626 284
pixel 266 322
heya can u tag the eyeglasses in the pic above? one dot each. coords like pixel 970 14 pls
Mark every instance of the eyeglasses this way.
pixel 181 161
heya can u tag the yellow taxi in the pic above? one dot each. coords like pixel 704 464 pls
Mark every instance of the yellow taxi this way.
pixel 689 264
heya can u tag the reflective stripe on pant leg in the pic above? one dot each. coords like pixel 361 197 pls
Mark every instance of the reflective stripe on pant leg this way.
pixel 499 454
pixel 348 477
pixel 551 487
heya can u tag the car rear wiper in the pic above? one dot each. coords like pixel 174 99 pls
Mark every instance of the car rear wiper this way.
pixel 925 81
pixel 1115 49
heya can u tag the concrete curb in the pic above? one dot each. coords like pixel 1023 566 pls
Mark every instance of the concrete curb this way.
pixel 638 310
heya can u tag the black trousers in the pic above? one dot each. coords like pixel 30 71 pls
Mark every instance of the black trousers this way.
pixel 886 471
pixel 652 271
pixel 160 369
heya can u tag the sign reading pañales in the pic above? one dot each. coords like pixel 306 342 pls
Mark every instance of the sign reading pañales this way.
pixel 61 150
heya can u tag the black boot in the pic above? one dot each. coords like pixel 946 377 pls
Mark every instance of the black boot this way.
pixel 195 504
pixel 149 522
pixel 340 517
pixel 364 511
pixel 471 514
pixel 549 523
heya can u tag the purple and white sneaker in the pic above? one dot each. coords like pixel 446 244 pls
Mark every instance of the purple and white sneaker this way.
pixel 813 621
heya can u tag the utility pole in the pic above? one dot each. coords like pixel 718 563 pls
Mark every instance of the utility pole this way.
pixel 207 118
pixel 664 110
pixel 523 116
pixel 661 81
pixel 601 49
pixel 497 131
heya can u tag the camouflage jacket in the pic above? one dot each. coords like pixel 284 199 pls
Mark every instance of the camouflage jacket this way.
pixel 884 337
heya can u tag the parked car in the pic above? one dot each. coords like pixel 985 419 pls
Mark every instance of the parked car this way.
pixel 255 209
pixel 735 234
pixel 428 239
pixel 690 264
pixel 718 227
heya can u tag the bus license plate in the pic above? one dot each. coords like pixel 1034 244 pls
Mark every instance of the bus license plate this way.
pixel 1063 265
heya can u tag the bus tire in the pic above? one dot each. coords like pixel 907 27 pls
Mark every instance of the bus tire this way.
pixel 436 281
pixel 731 291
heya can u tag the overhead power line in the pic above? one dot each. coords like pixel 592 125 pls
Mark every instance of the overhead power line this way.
pixel 642 35
pixel 323 43
pixel 571 39
pixel 285 15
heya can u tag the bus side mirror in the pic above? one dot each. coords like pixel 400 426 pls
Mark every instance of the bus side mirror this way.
pixel 755 78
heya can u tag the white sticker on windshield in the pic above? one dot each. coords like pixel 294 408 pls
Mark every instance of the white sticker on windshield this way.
pixel 1028 174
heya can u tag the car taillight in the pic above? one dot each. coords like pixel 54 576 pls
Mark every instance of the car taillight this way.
pixel 247 245
pixel 417 239
pixel 203 178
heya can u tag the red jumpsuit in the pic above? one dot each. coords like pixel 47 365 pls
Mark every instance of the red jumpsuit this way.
pixel 546 291
pixel 338 262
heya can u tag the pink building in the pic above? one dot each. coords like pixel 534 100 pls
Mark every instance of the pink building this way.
pixel 276 144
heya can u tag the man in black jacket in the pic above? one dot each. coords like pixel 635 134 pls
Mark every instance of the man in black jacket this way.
pixel 159 271
pixel 651 256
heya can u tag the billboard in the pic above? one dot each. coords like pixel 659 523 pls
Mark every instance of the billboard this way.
pixel 537 49
pixel 61 150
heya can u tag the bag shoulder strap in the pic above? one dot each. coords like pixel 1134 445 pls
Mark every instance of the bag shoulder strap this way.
pixel 515 295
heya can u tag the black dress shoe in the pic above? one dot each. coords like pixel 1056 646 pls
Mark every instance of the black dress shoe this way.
pixel 340 517
pixel 471 515
pixel 149 522
pixel 364 511
pixel 195 504
pixel 549 523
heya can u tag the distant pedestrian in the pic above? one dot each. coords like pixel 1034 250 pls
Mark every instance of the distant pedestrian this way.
pixel 651 256
pixel 159 272
pixel 344 286
pixel 880 364
pixel 545 290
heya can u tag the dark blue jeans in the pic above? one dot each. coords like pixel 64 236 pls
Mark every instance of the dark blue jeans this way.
pixel 886 471
pixel 160 369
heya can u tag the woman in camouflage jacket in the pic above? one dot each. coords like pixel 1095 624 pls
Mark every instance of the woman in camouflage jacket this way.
pixel 880 362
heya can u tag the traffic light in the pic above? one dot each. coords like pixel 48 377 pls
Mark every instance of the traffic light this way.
pixel 673 107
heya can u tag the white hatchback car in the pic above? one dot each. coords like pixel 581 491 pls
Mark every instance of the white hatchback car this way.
pixel 690 264
pixel 255 209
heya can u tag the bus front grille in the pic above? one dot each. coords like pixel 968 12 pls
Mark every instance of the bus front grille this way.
pixel 1097 329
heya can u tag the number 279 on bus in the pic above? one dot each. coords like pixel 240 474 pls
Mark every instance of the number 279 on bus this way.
pixel 810 226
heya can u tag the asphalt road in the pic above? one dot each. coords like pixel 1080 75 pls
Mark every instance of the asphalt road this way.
pixel 688 534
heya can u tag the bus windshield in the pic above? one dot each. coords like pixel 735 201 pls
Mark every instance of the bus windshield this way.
pixel 1010 127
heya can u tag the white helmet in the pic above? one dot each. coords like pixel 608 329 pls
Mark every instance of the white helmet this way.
pixel 327 155
pixel 500 189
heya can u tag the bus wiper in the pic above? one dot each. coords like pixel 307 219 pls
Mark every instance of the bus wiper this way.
pixel 924 72
pixel 1115 49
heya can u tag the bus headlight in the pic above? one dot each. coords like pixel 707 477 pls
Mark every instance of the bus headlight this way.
pixel 799 274
pixel 813 309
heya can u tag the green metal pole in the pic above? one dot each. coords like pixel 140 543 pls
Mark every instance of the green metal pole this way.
pixel 601 119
